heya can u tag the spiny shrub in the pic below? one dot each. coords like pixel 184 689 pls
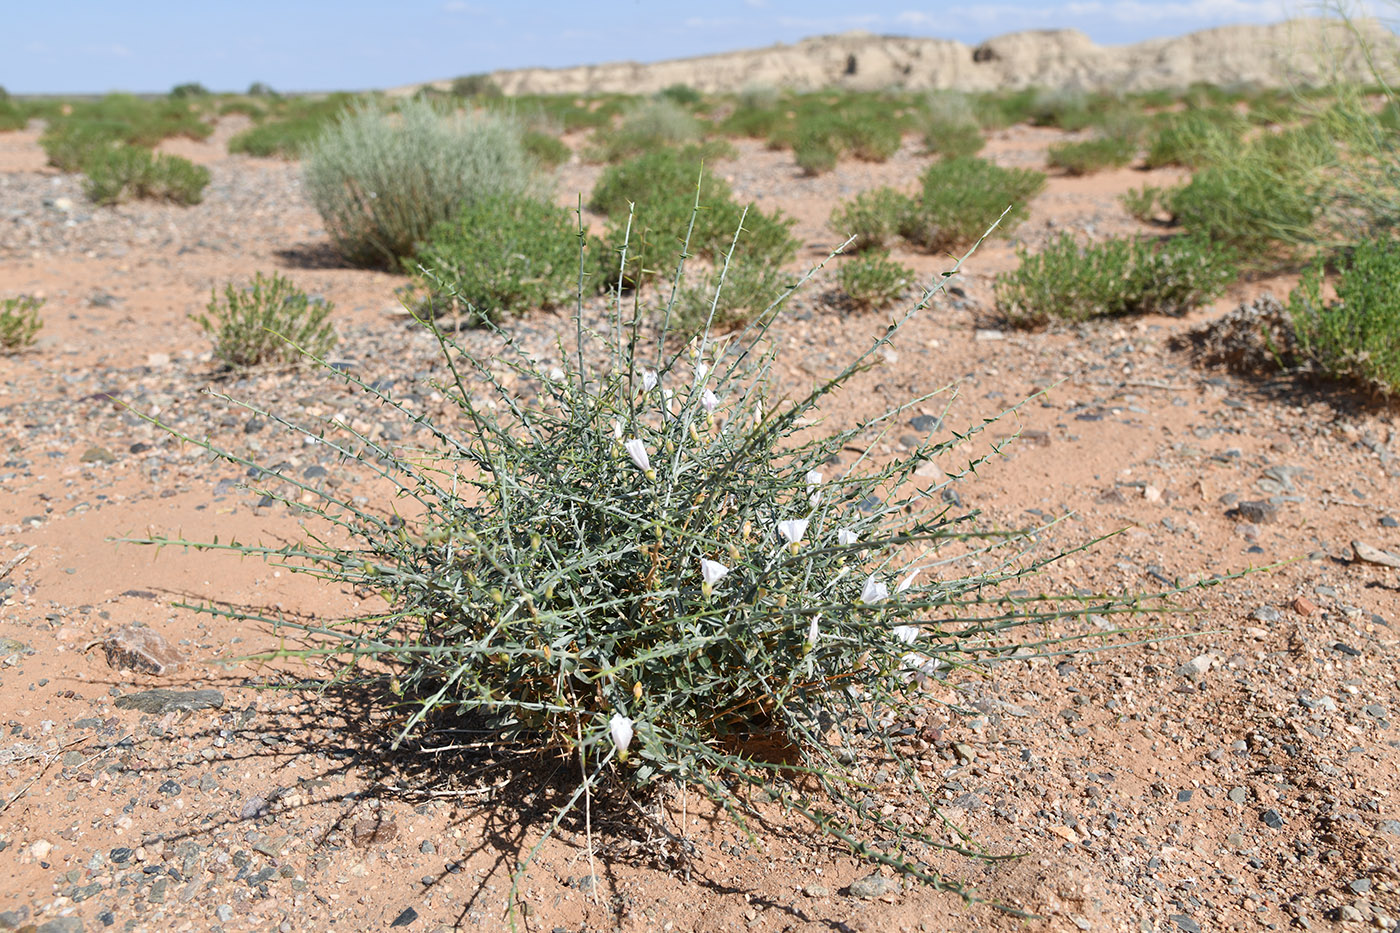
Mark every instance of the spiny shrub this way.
pixel 874 281
pixel 961 197
pixel 873 217
pixel 19 322
pixel 1355 336
pixel 382 179
pixel 656 570
pixel 650 125
pixel 500 255
pixel 1111 278
pixel 1142 203
pixel 123 173
pixel 269 321
pixel 1092 155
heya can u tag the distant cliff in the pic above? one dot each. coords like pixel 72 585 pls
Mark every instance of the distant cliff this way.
pixel 1302 51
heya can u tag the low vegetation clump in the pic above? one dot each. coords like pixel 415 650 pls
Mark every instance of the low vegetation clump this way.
pixel 269 321
pixel 874 218
pixel 1092 155
pixel 874 281
pixel 500 255
pixel 117 119
pixel 1356 335
pixel 121 173
pixel 477 85
pixel 1066 281
pixel 656 571
pixel 1142 203
pixel 1195 138
pixel 288 131
pixel 545 148
pixel 382 179
pixel 19 322
pixel 961 197
pixel 653 124
pixel 950 125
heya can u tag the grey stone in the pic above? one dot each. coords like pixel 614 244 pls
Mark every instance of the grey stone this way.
pixel 159 702
pixel 817 889
pixel 1359 885
pixel 135 648
pixel 224 912
pixel 1238 794
pixel 1255 511
pixel 1185 924
pixel 404 919
pixel 11 919
pixel 95 454
pixel 61 925
pixel 1374 555
pixel 1272 819
pixel 1196 666
pixel 871 886
pixel 1266 614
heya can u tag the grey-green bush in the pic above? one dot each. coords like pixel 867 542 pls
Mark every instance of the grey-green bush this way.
pixel 381 179
pixel 268 321
pixel 122 173
pixel 19 322
pixel 873 217
pixel 961 197
pixel 1356 335
pixel 874 281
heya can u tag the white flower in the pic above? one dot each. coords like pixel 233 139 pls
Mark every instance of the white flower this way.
pixel 621 728
pixel 617 430
pixel 846 537
pixel 638 452
pixel 814 478
pixel 648 380
pixel 556 375
pixel 793 530
pixel 813 633
pixel 701 371
pixel 873 591
pixel 666 396
pixel 908 581
pixel 906 633
pixel 709 401
pixel 712 571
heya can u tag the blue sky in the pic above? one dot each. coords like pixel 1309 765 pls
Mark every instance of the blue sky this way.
pixel 74 46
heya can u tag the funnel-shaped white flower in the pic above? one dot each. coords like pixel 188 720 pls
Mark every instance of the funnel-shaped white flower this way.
pixel 617 430
pixel 648 380
pixel 814 478
pixel 712 571
pixel 846 537
pixel 793 530
pixel 701 371
pixel 873 591
pixel 906 633
pixel 638 452
pixel 813 633
pixel 908 581
pixel 621 728
pixel 709 401
pixel 556 374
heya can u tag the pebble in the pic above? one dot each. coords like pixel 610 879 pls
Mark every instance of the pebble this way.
pixel 136 648
pixel 1255 511
pixel 405 918
pixel 1185 924
pixel 61 925
pixel 224 913
pixel 1196 666
pixel 158 702
pixel 1266 614
pixel 871 886
pixel 1271 819
pixel 97 454
pixel 817 889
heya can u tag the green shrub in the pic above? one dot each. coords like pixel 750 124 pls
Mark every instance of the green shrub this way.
pixel 69 145
pixel 874 281
pixel 962 197
pixel 1092 155
pixel 658 573
pixel 1194 139
pixel 650 125
pixel 13 116
pixel 747 291
pixel 381 180
pixel 655 181
pixel 1142 203
pixel 873 217
pixel 1001 109
pixel 1111 278
pixel 546 148
pixel 19 322
pixel 92 126
pixel 124 173
pixel 478 85
pixel 953 139
pixel 270 321
pixel 1355 336
pixel 261 89
pixel 682 94
pixel 815 153
pixel 192 89
pixel 498 256
pixel 243 105
pixel 294 128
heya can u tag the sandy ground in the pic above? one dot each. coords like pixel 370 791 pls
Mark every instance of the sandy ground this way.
pixel 1239 773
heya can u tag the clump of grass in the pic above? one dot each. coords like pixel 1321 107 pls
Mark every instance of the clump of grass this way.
pixel 19 322
pixel 1092 155
pixel 123 173
pixel 547 149
pixel 1142 203
pixel 873 217
pixel 1355 336
pixel 657 571
pixel 1115 277
pixel 815 152
pixel 874 281
pixel 1195 138
pixel 500 255
pixel 91 126
pixel 961 197
pixel 382 179
pixel 269 321
pixel 652 124
pixel 477 85
pixel 290 130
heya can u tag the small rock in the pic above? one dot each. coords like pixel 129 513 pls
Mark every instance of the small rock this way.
pixel 1303 606
pixel 366 833
pixel 1374 555
pixel 120 855
pixel 61 925
pixel 40 849
pixel 1266 614
pixel 404 919
pixel 95 454
pixel 11 919
pixel 1255 511
pixel 1196 666
pixel 988 334
pixel 160 702
pixel 1272 819
pixel 965 752
pixel 170 788
pixel 1350 914
pixel 253 808
pixel 135 648
pixel 926 423
pixel 871 886
pixel 817 890
pixel 1238 794
pixel 224 912
pixel 1359 885
pixel 1185 924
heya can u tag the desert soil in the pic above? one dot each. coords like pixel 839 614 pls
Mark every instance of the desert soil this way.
pixel 1237 771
